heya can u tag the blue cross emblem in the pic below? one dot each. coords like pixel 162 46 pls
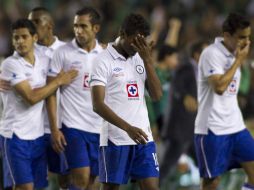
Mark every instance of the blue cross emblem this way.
pixel 132 90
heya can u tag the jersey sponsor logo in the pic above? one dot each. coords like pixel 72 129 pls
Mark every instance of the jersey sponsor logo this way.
pixel 86 81
pixel 117 73
pixel 140 69
pixel 117 69
pixel 76 65
pixel 132 90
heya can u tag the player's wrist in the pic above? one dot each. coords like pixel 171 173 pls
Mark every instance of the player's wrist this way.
pixel 58 82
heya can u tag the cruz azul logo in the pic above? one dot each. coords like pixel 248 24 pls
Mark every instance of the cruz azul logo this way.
pixel 132 90
pixel 86 81
pixel 232 87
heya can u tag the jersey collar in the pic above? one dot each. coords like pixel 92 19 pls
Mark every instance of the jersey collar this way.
pixel 223 49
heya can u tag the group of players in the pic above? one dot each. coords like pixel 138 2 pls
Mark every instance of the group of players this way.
pixel 78 109
pixel 78 88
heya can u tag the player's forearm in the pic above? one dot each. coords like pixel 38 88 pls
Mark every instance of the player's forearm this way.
pixel 106 113
pixel 224 80
pixel 52 112
pixel 39 94
pixel 153 82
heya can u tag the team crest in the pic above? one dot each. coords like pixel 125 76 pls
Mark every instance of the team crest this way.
pixel 86 81
pixel 232 87
pixel 140 69
pixel 132 90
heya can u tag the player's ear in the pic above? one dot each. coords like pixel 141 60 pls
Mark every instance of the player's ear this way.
pixel 96 28
pixel 35 38
pixel 226 34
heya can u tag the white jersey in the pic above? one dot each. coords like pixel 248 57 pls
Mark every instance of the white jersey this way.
pixel 49 51
pixel 76 102
pixel 20 118
pixel 219 113
pixel 124 81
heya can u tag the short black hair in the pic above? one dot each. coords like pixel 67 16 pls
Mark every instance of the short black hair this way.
pixel 135 23
pixel 94 14
pixel 235 21
pixel 165 50
pixel 24 23
pixel 43 9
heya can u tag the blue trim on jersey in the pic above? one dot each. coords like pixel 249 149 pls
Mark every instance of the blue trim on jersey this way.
pixel 219 153
pixel 119 163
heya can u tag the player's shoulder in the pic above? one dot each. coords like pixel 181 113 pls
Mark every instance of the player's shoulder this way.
pixel 64 49
pixel 11 60
pixel 211 50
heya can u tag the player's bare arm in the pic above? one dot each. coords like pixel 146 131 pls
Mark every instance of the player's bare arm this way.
pixel 57 137
pixel 145 51
pixel 32 96
pixel 98 94
pixel 221 82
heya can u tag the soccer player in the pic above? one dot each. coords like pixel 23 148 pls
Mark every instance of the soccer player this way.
pixel 47 44
pixel 23 115
pixel 221 140
pixel 79 136
pixel 118 81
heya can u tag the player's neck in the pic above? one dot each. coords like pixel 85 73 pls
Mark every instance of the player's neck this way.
pixel 47 41
pixel 29 57
pixel 228 47
pixel 88 46
pixel 120 50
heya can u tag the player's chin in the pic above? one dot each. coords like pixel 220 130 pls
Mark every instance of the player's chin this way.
pixel 21 51
pixel 81 39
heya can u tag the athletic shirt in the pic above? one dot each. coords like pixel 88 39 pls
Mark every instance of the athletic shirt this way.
pixel 76 103
pixel 124 81
pixel 20 118
pixel 48 51
pixel 219 113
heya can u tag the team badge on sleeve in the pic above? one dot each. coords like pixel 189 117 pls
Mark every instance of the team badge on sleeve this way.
pixel 132 90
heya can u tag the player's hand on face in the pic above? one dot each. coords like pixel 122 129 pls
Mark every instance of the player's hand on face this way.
pixel 4 85
pixel 65 78
pixel 137 134
pixel 242 52
pixel 143 47
pixel 58 141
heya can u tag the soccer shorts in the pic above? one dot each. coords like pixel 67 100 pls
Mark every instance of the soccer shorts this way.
pixel 57 163
pixel 119 163
pixel 219 153
pixel 82 149
pixel 25 161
